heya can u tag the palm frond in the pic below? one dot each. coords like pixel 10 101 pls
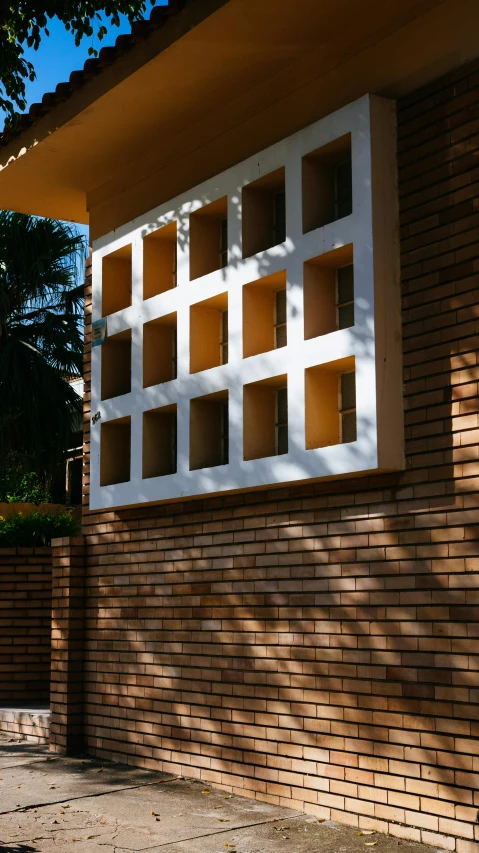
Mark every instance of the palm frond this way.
pixel 40 334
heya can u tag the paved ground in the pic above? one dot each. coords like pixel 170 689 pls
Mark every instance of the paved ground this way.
pixel 52 805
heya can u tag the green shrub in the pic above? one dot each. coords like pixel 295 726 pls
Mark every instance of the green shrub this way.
pixel 36 529
pixel 19 483
pixel 28 490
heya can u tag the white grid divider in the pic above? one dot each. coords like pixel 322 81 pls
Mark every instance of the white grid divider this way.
pixel 371 228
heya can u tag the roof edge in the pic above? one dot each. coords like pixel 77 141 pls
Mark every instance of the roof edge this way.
pixel 108 55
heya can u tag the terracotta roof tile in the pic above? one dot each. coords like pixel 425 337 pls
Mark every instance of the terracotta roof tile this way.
pixel 140 31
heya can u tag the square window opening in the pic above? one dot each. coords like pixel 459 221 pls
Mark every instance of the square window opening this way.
pixel 160 350
pixel 116 365
pixel 265 418
pixel 264 314
pixel 264 213
pixel 328 290
pixel 330 403
pixel 209 333
pixel 209 431
pixel 159 442
pixel 209 238
pixel 327 184
pixel 159 260
pixel 115 451
pixel 116 281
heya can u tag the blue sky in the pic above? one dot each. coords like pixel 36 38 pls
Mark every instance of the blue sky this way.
pixel 57 57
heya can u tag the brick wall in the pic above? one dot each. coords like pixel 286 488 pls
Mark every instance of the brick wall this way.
pixel 68 617
pixel 25 618
pixel 317 646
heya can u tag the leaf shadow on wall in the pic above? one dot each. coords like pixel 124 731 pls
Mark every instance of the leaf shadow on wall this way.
pixel 310 639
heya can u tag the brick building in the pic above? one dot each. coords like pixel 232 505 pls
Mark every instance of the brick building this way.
pixel 277 588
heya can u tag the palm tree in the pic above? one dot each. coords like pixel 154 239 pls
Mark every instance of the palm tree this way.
pixel 40 336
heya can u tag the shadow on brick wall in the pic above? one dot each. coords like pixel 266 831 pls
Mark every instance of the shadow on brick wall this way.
pixel 316 645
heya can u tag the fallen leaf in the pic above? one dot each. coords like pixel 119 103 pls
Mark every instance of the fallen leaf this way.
pixel 153 814
pixel 103 822
pixel 222 819
pixel 206 791
pixel 320 820
pixel 228 796
pixel 370 843
pixel 61 811
pixel 50 759
pixel 367 832
pixel 52 787
pixel 100 770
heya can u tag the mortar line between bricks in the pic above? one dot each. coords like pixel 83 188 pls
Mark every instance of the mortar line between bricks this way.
pixel 83 797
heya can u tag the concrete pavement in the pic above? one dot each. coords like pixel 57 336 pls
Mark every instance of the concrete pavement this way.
pixel 50 804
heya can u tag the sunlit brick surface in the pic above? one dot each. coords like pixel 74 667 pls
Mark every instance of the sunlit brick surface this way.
pixel 316 645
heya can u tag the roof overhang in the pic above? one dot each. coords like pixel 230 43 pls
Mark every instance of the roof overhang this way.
pixel 223 76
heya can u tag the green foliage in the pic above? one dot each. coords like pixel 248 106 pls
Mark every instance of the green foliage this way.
pixel 18 483
pixel 29 490
pixel 25 22
pixel 36 529
pixel 41 345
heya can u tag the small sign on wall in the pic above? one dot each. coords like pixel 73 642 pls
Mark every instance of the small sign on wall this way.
pixel 98 332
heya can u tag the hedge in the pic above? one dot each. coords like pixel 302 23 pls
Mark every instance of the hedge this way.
pixel 36 529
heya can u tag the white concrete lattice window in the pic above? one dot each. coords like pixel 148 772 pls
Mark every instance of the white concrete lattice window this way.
pixel 253 331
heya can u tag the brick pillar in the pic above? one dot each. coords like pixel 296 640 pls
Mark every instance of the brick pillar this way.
pixel 68 562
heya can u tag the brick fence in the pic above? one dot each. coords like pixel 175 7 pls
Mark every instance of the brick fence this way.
pixel 25 620
pixel 68 615
pixel 317 646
